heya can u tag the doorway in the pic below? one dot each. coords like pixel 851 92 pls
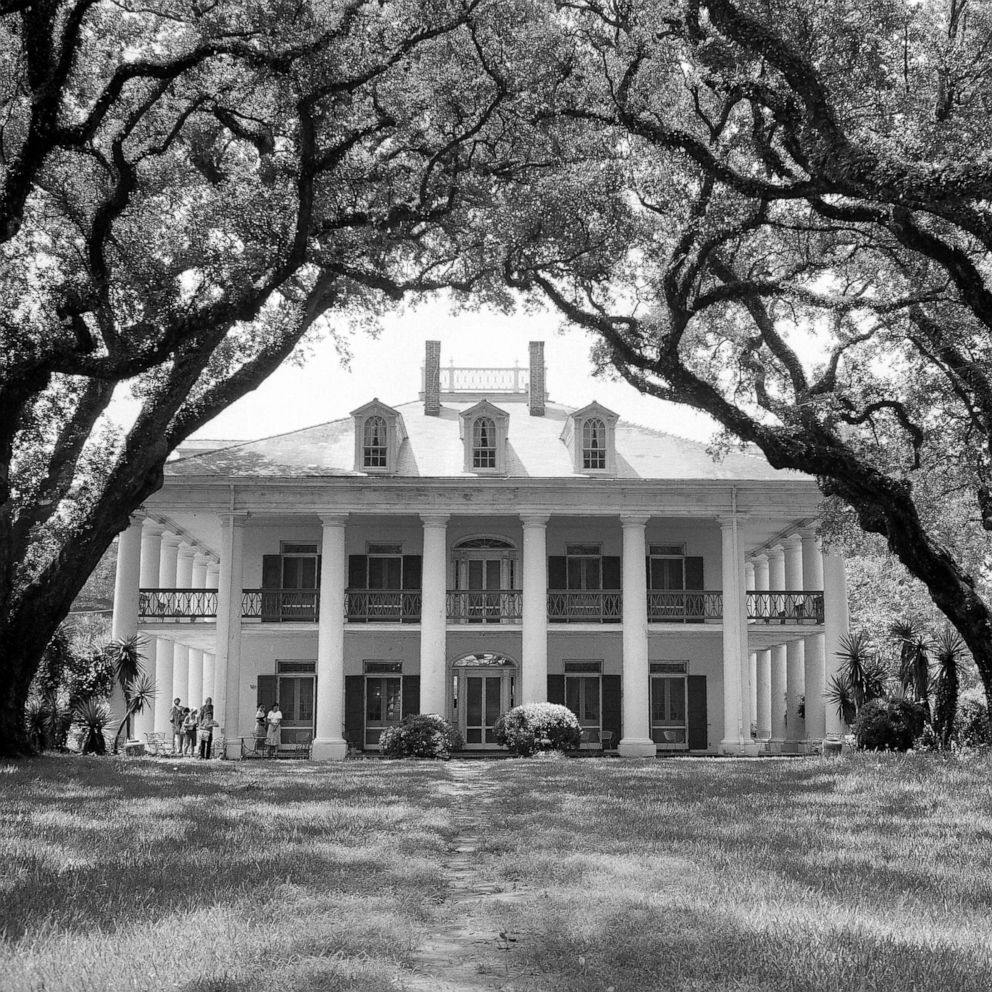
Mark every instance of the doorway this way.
pixel 482 688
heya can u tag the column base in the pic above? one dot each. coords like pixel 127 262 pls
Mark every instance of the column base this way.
pixel 734 745
pixel 764 734
pixel 637 747
pixel 328 749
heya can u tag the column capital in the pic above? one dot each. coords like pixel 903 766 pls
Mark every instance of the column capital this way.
pixel 333 519
pixel 233 518
pixel 186 550
pixel 634 519
pixel 435 519
pixel 776 553
pixel 760 559
pixel 535 519
pixel 152 528
pixel 809 534
pixel 170 540
pixel 137 516
pixel 727 520
pixel 202 559
pixel 792 541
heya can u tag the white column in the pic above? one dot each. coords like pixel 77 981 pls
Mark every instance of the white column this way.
pixel 329 743
pixel 795 665
pixel 736 738
pixel 200 563
pixel 151 546
pixel 636 741
pixel 433 617
pixel 194 690
pixel 126 583
pixel 835 624
pixel 752 659
pixel 166 579
pixel 227 673
pixel 776 582
pixel 534 627
pixel 180 652
pixel 763 673
pixel 813 646
pixel 210 657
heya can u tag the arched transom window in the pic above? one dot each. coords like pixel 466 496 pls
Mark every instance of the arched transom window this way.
pixel 483 443
pixel 593 443
pixel 375 449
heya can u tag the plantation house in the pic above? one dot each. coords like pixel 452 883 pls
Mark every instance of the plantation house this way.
pixel 481 548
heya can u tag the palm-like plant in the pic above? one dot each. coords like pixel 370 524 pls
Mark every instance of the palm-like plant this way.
pixel 94 716
pixel 129 673
pixel 862 677
pixel 949 649
pixel 914 660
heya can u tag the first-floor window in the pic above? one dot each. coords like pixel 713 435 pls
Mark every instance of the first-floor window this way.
pixel 383 698
pixel 668 704
pixel 296 685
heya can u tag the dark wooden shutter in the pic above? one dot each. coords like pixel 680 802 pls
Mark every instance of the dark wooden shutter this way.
pixel 357 572
pixel 267 691
pixel 698 729
pixel 412 568
pixel 354 710
pixel 411 695
pixel 557 572
pixel 556 689
pixel 611 707
pixel 271 579
pixel 612 569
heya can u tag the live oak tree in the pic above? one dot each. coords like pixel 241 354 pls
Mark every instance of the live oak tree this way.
pixel 788 226
pixel 186 186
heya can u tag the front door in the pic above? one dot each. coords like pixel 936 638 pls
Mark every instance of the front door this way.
pixel 296 702
pixel 669 729
pixel 583 698
pixel 481 698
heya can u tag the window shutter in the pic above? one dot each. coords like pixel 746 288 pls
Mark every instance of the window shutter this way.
pixel 556 689
pixel 357 572
pixel 354 710
pixel 611 706
pixel 698 730
pixel 556 572
pixel 411 695
pixel 694 573
pixel 412 569
pixel 271 579
pixel 267 691
pixel 611 572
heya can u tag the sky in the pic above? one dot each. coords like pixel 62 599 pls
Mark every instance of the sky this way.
pixel 389 367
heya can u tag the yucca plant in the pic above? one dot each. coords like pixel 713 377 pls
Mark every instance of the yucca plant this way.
pixel 914 660
pixel 93 716
pixel 863 676
pixel 138 689
pixel 949 649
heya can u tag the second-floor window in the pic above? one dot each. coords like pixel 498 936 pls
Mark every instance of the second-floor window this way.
pixel 375 449
pixel 299 566
pixel 584 567
pixel 483 443
pixel 593 444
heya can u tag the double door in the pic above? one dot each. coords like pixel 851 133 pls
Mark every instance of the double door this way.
pixel 481 696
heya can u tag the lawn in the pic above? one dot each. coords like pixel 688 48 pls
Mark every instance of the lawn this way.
pixel 873 872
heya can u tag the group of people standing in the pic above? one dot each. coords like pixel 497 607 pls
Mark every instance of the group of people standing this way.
pixel 268 724
pixel 192 729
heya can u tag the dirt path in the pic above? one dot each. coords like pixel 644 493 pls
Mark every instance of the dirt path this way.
pixel 467 951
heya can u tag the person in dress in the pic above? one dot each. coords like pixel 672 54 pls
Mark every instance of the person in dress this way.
pixel 260 728
pixel 273 720
pixel 205 732
pixel 190 725
pixel 176 717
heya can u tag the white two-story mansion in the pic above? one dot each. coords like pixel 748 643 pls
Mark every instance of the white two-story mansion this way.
pixel 481 548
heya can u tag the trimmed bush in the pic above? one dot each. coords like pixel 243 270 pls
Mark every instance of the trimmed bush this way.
pixel 971 725
pixel 888 724
pixel 537 727
pixel 424 735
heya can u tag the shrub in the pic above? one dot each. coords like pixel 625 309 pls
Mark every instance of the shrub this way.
pixel 888 724
pixel 425 735
pixel 538 727
pixel 971 724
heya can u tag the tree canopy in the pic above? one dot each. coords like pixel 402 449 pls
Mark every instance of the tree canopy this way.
pixel 789 229
pixel 185 188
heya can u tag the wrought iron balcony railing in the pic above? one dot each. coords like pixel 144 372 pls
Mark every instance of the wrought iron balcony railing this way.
pixel 383 605
pixel 280 605
pixel 591 605
pixel 177 604
pixel 780 606
pixel 684 605
pixel 484 605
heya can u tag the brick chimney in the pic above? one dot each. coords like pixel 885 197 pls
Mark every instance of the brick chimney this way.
pixel 432 379
pixel 537 390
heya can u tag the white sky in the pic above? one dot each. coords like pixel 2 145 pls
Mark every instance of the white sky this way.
pixel 389 367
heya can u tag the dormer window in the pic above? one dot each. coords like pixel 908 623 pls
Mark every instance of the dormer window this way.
pixel 590 436
pixel 484 429
pixel 483 443
pixel 376 446
pixel 379 433
pixel 593 444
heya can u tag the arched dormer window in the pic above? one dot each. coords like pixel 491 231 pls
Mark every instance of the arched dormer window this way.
pixel 484 430
pixel 593 444
pixel 376 447
pixel 590 436
pixel 483 443
pixel 379 433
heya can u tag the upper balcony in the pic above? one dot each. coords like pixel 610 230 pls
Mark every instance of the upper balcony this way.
pixel 481 606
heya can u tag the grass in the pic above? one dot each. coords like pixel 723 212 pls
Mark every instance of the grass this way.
pixel 871 873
